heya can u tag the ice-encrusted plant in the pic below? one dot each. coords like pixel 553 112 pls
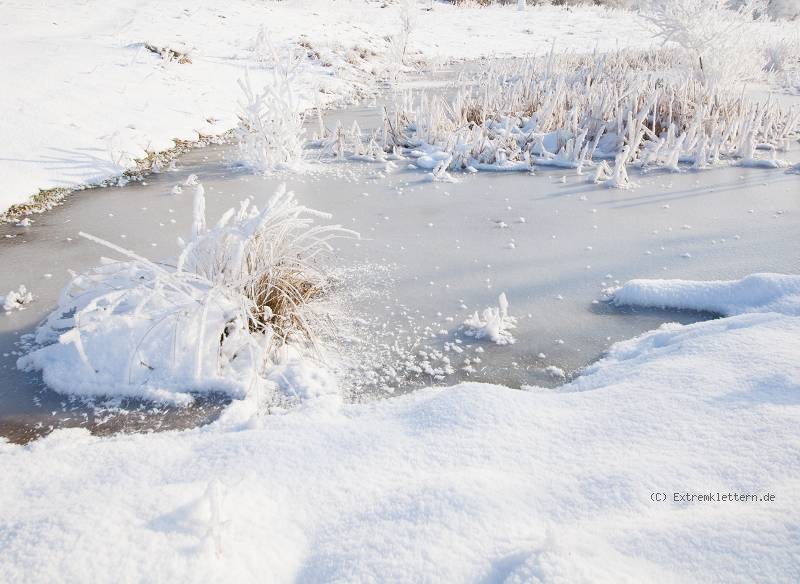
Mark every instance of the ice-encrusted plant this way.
pixel 494 323
pixel 271 131
pixel 713 34
pixel 238 303
pixel 398 42
pixel 342 144
pixel 637 108
pixel 269 258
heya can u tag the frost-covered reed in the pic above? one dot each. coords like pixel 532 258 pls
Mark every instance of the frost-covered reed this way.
pixel 341 143
pixel 637 108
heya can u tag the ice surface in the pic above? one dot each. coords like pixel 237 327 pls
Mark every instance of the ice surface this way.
pixel 407 287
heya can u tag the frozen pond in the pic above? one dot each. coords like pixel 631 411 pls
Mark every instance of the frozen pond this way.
pixel 430 255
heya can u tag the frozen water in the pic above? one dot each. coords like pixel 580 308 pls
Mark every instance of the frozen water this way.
pixel 431 254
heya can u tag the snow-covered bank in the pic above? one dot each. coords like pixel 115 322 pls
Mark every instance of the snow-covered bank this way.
pixel 471 483
pixel 84 97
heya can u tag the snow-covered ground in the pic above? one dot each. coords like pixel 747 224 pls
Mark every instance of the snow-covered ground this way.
pixel 471 483
pixel 83 98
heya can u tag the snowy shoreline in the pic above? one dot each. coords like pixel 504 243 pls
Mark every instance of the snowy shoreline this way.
pixel 142 104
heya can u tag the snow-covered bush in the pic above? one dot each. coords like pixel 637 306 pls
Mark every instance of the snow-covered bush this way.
pixel 572 110
pixel 398 42
pixel 714 35
pixel 271 131
pixel 238 303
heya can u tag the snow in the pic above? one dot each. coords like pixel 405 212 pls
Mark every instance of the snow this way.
pixel 470 483
pixel 755 293
pixel 494 323
pixel 16 299
pixel 585 482
pixel 118 101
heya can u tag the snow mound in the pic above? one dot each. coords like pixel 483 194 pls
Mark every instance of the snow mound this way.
pixel 119 330
pixel 755 293
pixel 494 324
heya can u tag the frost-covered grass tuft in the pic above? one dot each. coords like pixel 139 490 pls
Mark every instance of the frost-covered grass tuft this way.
pixel 237 306
pixel 493 323
pixel 270 259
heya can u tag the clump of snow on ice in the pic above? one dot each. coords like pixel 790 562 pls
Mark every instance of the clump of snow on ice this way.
pixel 493 323
pixel 755 293
pixel 555 372
pixel 16 299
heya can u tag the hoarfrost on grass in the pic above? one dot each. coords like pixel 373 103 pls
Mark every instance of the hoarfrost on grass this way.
pixel 271 129
pixel 638 108
pixel 238 302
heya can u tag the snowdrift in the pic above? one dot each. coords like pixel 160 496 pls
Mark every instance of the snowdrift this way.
pixel 755 293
